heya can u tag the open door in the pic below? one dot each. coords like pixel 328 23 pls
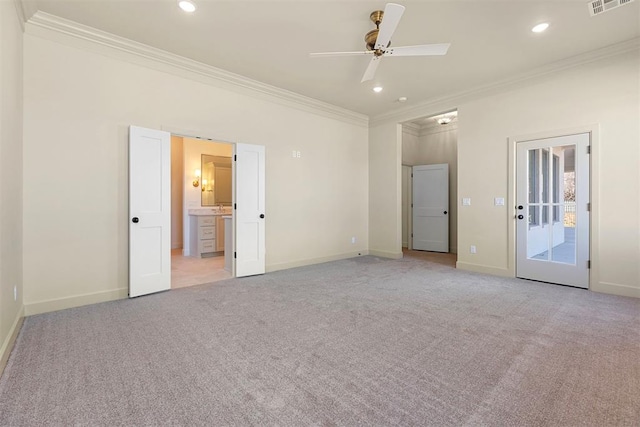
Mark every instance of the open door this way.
pixel 431 208
pixel 149 211
pixel 249 207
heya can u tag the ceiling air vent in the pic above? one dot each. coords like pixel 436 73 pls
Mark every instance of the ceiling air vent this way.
pixel 596 7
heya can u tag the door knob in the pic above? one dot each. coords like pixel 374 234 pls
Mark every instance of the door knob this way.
pixel 520 207
pixel 445 212
pixel 520 216
pixel 261 215
pixel 135 220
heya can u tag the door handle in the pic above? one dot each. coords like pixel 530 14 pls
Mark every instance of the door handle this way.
pixel 445 212
pixel 520 216
pixel 520 207
pixel 135 220
pixel 261 215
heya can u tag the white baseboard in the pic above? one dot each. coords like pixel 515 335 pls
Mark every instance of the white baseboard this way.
pixel 485 269
pixel 616 289
pixel 75 301
pixel 386 254
pixel 311 261
pixel 8 343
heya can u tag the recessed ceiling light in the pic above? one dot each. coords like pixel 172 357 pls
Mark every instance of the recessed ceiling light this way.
pixel 540 27
pixel 377 89
pixel 444 120
pixel 187 5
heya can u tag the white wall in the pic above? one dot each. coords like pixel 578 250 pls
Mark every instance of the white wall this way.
pixel 385 186
pixel 10 175
pixel 436 145
pixel 78 106
pixel 193 151
pixel 177 191
pixel 605 93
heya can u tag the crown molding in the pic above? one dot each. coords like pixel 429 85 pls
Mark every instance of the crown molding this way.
pixel 20 12
pixel 452 101
pixel 188 68
pixel 411 128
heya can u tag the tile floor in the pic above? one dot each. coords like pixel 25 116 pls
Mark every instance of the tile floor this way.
pixel 189 271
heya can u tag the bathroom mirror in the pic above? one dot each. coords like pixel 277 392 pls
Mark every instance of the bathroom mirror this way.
pixel 215 180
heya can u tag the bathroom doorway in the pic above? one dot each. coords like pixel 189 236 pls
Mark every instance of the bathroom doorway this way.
pixel 201 189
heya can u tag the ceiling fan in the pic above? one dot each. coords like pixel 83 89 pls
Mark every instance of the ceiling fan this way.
pixel 379 41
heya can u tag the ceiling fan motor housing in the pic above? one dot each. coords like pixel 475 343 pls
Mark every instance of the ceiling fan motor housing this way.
pixel 370 38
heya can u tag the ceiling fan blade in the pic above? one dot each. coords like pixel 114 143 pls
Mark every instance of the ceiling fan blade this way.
pixel 326 54
pixel 371 69
pixel 420 50
pixel 392 14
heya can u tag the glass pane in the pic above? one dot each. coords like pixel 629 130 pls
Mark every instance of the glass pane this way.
pixel 552 188
pixel 533 176
pixel 545 176
pixel 533 216
pixel 556 179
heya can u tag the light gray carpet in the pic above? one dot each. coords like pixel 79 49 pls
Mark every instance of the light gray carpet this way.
pixel 364 341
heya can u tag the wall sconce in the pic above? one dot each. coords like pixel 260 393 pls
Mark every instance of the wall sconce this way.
pixel 196 182
pixel 204 184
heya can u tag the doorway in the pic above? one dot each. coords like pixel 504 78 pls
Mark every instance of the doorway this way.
pixel 552 210
pixel 201 188
pixel 430 140
pixel 150 212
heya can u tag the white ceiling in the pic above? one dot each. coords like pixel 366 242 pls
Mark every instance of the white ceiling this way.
pixel 269 41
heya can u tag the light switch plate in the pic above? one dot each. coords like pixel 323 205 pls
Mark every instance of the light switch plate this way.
pixel 499 201
pixel 466 201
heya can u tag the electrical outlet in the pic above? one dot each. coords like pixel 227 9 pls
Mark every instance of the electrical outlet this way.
pixel 15 293
pixel 353 240
pixel 298 155
pixel 293 154
pixel 466 201
pixel 472 249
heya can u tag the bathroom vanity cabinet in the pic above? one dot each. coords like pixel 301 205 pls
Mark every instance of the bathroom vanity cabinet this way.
pixel 206 234
pixel 203 235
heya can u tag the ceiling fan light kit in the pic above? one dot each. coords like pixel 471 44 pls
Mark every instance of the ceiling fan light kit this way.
pixel 378 41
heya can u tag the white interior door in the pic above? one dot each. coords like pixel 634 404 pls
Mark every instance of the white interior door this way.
pixel 431 208
pixel 249 210
pixel 552 232
pixel 149 211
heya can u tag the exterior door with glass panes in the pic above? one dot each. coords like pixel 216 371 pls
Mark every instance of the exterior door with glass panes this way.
pixel 552 211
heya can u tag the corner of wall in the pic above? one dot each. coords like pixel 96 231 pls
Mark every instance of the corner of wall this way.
pixel 7 345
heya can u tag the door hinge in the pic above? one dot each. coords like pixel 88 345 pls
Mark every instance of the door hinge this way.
pixel 234 255
pixel 235 157
pixel 588 149
pixel 234 206
pixel 411 234
pixel 589 264
pixel 411 175
pixel 588 207
pixel 411 204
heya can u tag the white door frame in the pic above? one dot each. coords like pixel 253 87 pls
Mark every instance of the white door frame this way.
pixel 594 131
